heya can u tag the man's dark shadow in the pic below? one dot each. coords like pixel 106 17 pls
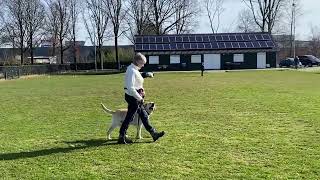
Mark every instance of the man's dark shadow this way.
pixel 72 145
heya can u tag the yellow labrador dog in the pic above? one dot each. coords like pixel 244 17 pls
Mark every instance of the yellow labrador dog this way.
pixel 119 115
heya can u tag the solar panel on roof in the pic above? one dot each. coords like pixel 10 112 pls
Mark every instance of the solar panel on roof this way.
pixel 256 44
pixel 192 38
pixel 172 39
pixel 159 39
pixel 173 46
pixel 145 40
pixel 232 38
pixel 221 45
pixel 178 39
pixel 252 37
pixel 200 45
pixel 145 47
pixel 153 47
pixel 235 45
pixel 242 45
pixel 249 44
pixel 263 44
pixel 246 37
pixel 228 45
pixel 180 46
pixel 212 38
pixel 166 47
pixel 194 46
pixel 199 39
pixel 239 38
pixel 214 45
pixel 205 39
pixel 165 39
pixel 185 39
pixel 152 39
pixel 202 42
pixel 259 37
pixel 219 38
pixel 159 47
pixel 138 40
pixel 266 37
pixel 139 47
pixel 225 38
pixel 207 46
pixel 270 44
pixel 187 45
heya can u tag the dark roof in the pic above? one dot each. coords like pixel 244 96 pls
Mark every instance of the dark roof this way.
pixel 205 42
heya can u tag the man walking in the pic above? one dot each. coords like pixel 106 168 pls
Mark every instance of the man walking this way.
pixel 134 94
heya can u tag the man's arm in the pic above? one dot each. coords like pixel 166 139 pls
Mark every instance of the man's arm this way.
pixel 130 80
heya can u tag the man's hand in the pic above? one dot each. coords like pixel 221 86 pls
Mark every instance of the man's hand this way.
pixel 141 101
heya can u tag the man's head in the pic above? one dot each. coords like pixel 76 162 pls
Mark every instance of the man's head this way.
pixel 139 60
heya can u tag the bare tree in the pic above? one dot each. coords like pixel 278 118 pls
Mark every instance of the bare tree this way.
pixel 162 15
pixel 116 14
pixel 315 41
pixel 265 12
pixel 15 15
pixel 60 12
pixel 51 24
pixel 184 19
pixel 74 13
pixel 214 9
pixel 96 22
pixel 34 20
pixel 246 22
pixel 137 18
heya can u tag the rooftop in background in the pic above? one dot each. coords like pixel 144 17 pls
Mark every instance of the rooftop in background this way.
pixel 221 41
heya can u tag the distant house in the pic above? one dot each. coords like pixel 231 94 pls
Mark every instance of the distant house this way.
pixel 284 44
pixel 216 51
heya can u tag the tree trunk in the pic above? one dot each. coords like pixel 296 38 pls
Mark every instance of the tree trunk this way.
pixel 116 47
pixel 21 51
pixel 74 51
pixel 61 51
pixel 31 49
pixel 100 54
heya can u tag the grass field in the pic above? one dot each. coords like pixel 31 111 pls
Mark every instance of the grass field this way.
pixel 234 125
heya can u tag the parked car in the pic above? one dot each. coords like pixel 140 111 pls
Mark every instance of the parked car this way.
pixel 289 62
pixel 309 60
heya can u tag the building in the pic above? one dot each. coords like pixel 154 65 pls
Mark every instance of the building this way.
pixel 285 50
pixel 216 51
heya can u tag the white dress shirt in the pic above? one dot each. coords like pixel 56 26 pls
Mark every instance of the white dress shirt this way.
pixel 133 81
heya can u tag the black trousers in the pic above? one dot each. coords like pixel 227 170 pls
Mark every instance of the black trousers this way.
pixel 133 107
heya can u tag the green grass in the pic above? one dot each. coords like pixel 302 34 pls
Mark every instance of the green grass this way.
pixel 234 125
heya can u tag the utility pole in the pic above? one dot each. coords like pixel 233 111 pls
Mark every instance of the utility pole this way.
pixel 293 30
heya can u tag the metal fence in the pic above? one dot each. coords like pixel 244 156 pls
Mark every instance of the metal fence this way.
pixel 13 72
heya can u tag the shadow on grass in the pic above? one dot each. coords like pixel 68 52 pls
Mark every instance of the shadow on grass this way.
pixel 72 145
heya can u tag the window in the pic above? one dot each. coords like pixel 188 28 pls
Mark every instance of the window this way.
pixel 153 59
pixel 196 59
pixel 238 58
pixel 174 59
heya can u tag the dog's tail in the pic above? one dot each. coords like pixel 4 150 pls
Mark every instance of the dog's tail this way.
pixel 106 109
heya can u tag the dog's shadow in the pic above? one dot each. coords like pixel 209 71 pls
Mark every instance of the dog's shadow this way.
pixel 72 146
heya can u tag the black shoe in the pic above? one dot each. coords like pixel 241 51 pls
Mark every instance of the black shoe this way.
pixel 124 140
pixel 156 135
